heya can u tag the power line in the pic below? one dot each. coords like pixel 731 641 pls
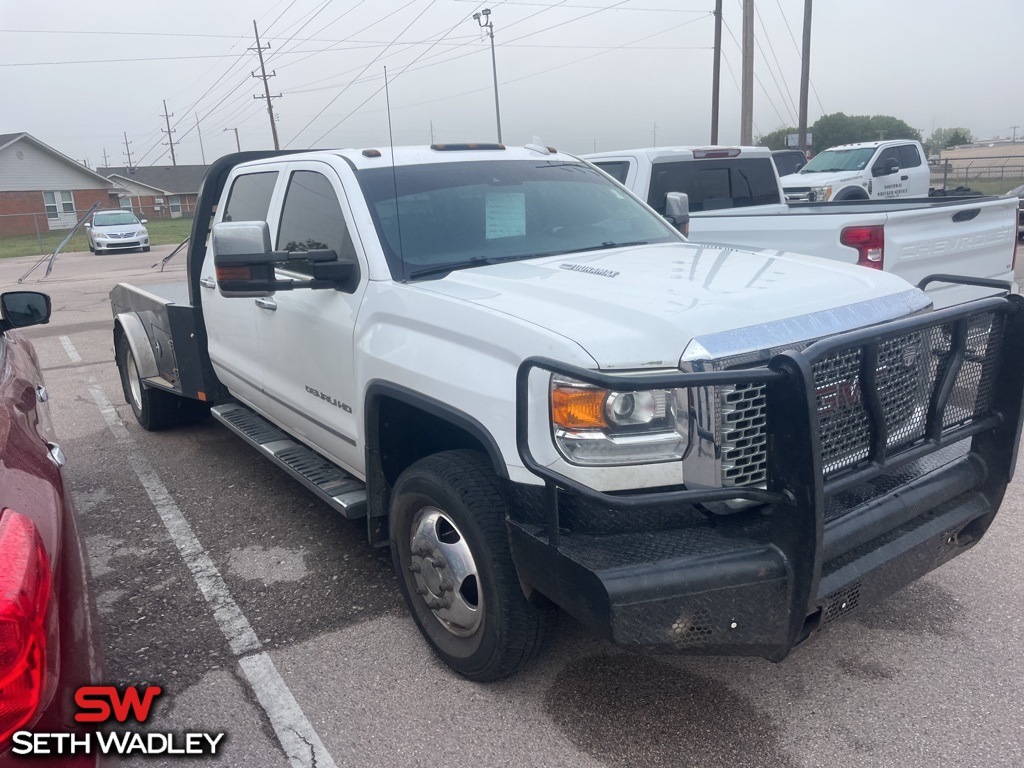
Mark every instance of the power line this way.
pixel 266 85
pixel 756 78
pixel 524 77
pixel 369 64
pixel 799 53
pixel 787 93
pixel 598 7
pixel 170 140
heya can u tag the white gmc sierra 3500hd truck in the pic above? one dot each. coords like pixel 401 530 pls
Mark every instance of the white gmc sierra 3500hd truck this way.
pixel 541 396
pixel 734 196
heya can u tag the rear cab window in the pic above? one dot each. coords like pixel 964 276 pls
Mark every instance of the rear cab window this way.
pixel 908 156
pixel 617 169
pixel 312 219
pixel 716 184
pixel 250 195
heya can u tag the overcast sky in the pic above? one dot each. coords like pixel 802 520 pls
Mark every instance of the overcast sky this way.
pixel 578 74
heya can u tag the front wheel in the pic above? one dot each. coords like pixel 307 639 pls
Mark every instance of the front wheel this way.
pixel 450 549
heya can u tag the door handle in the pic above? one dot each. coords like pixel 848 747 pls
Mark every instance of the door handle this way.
pixel 207 282
pixel 266 304
pixel 904 178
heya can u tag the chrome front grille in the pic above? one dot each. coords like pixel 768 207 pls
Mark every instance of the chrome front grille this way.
pixel 908 371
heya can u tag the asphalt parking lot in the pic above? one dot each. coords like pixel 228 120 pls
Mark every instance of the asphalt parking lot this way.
pixel 931 677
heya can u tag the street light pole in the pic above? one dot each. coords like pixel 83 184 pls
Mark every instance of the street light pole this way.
pixel 483 19
pixel 238 144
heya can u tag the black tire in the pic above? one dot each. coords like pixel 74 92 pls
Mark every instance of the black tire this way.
pixel 153 408
pixel 145 249
pixel 849 195
pixel 511 632
pixel 92 249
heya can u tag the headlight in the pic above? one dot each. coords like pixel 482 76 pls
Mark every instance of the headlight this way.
pixel 820 194
pixel 142 233
pixel 595 426
pixel 99 235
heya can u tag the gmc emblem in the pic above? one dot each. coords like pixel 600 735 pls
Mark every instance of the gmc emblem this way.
pixel 838 397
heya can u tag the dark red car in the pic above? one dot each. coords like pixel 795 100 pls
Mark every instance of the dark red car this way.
pixel 47 642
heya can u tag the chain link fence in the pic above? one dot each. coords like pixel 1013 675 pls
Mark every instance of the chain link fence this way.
pixel 37 234
pixel 994 175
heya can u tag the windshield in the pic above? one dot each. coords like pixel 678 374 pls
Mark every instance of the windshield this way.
pixel 113 219
pixel 462 214
pixel 839 160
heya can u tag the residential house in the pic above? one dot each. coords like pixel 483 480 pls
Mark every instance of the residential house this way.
pixel 157 191
pixel 42 189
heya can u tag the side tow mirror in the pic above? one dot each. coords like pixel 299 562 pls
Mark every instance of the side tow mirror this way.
pixel 23 308
pixel 243 258
pixel 677 211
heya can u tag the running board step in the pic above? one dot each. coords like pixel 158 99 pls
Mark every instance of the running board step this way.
pixel 335 486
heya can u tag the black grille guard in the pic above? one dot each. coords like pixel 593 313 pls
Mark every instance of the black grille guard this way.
pixel 795 476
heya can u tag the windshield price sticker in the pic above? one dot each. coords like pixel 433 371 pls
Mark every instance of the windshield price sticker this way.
pixel 506 214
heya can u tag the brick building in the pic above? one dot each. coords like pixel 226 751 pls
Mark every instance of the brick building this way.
pixel 158 191
pixel 42 189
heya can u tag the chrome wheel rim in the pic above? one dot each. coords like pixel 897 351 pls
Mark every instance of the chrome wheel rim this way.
pixel 133 380
pixel 445 572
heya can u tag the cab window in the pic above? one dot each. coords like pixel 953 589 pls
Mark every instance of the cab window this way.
pixel 617 169
pixel 909 157
pixel 249 199
pixel 312 219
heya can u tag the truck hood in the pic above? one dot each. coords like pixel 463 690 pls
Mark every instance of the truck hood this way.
pixel 640 307
pixel 817 179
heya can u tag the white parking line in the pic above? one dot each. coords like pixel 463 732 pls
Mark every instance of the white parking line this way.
pixel 300 741
pixel 70 349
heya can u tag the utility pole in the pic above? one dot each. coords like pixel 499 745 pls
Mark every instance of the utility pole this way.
pixel 805 77
pixel 654 135
pixel 266 87
pixel 486 23
pixel 431 131
pixel 1014 139
pixel 127 149
pixel 202 152
pixel 716 71
pixel 747 81
pixel 171 142
pixel 104 157
pixel 238 144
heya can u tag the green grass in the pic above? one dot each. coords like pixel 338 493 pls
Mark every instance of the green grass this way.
pixel 161 232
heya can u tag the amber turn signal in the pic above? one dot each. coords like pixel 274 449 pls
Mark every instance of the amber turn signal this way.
pixel 578 407
pixel 228 274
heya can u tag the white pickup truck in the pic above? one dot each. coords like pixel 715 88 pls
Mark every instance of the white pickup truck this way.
pixel 872 170
pixel 539 394
pixel 734 196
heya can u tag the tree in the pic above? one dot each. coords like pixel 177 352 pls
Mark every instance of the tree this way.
pixel 943 138
pixel 839 128
pixel 776 139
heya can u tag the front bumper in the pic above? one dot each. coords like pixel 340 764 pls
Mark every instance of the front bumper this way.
pixel 121 245
pixel 657 570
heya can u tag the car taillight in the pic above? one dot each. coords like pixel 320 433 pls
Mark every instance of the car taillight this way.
pixel 869 243
pixel 25 588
